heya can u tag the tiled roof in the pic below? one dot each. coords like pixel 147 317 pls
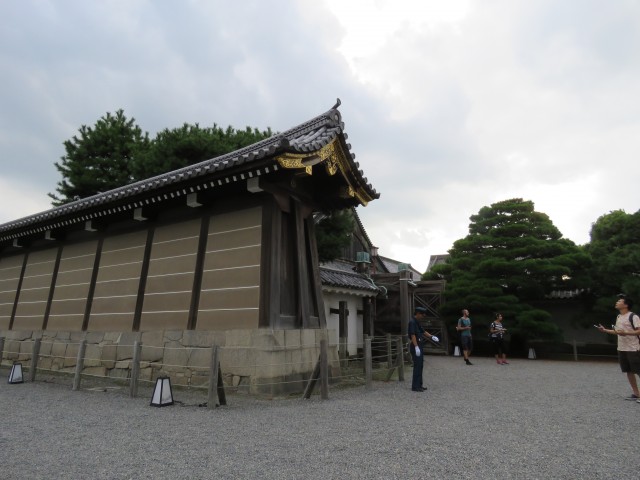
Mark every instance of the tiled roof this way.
pixel 392 267
pixel 437 260
pixel 340 273
pixel 306 137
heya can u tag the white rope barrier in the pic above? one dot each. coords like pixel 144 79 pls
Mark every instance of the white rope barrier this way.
pixel 350 368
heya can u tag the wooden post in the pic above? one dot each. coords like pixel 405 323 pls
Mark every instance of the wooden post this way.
pixel 34 359
pixel 216 395
pixel 405 300
pixel 324 370
pixel 389 353
pixel 321 372
pixel 312 381
pixel 1 348
pixel 135 369
pixel 367 363
pixel 79 364
pixel 575 350
pixel 364 347
pixel 400 358
pixel 212 398
pixel 343 329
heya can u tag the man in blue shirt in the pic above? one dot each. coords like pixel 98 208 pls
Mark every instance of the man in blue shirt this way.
pixel 417 335
pixel 464 328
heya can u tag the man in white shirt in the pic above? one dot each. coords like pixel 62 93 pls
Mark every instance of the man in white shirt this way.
pixel 628 342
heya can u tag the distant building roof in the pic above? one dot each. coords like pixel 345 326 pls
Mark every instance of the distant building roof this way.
pixel 341 275
pixel 437 260
pixel 393 266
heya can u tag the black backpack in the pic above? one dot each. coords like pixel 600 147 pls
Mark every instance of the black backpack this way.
pixel 631 315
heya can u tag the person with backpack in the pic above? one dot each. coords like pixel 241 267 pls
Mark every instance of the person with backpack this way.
pixel 627 328
pixel 496 334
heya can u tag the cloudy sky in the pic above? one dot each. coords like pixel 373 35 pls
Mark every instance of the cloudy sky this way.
pixel 450 105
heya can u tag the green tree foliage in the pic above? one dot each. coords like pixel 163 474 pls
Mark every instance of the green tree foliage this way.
pixel 172 149
pixel 116 152
pixel 512 257
pixel 615 250
pixel 99 158
pixel 333 234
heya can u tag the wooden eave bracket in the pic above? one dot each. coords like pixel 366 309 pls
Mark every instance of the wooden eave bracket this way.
pixel 335 159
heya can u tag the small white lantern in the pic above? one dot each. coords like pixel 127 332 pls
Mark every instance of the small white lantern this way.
pixel 16 373
pixel 162 395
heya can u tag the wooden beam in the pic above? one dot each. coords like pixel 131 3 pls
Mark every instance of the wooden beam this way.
pixel 318 301
pixel 302 273
pixel 92 283
pixel 197 273
pixel 52 288
pixel 142 284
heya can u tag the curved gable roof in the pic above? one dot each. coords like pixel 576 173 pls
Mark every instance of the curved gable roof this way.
pixel 306 138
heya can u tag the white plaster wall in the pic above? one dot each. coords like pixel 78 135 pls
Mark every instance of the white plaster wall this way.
pixel 354 321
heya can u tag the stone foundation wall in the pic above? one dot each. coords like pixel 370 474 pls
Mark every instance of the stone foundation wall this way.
pixel 260 361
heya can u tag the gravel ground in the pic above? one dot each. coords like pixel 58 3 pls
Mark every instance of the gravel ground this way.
pixel 532 419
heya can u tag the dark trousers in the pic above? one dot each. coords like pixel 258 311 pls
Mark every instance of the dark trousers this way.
pixel 418 363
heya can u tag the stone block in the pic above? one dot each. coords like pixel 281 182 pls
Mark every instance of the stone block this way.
pixel 92 356
pixel 200 358
pixel 153 339
pixel 26 347
pixel 174 355
pixel 77 337
pixel 20 335
pixel 292 338
pixel 297 363
pixel 151 353
pixel 45 363
pixel 198 380
pixel 63 336
pixel 146 374
pixel 173 335
pixel 71 355
pixel 95 371
pixel 237 361
pixel 109 355
pixel 124 364
pixel 59 349
pixel 263 338
pixel 309 356
pixel 111 337
pixel 45 347
pixel 119 373
pixel 11 349
pixel 238 338
pixel 125 345
pixel 308 337
pixel 95 337
pixel 198 338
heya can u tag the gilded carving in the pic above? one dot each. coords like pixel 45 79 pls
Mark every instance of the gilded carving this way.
pixel 334 159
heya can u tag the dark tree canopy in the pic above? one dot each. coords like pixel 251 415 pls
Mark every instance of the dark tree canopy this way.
pixel 115 152
pixel 333 234
pixel 172 149
pixel 100 158
pixel 615 250
pixel 512 256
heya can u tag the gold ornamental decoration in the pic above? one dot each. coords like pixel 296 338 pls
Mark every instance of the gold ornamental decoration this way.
pixel 334 159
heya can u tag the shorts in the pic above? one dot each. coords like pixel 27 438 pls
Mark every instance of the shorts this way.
pixel 466 342
pixel 629 362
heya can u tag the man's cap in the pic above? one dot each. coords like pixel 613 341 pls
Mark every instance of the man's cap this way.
pixel 421 310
